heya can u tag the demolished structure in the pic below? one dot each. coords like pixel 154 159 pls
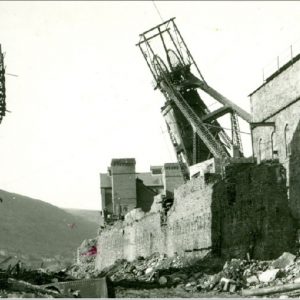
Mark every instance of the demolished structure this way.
pixel 122 189
pixel 229 205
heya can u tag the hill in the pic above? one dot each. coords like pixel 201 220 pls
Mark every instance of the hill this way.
pixel 88 215
pixel 34 227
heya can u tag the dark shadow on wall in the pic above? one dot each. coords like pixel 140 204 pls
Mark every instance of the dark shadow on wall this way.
pixel 294 174
pixel 250 213
pixel 145 196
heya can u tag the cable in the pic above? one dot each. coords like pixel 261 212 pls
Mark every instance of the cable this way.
pixel 12 74
pixel 157 10
pixel 167 145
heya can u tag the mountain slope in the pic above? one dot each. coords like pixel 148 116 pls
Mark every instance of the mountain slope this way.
pixel 89 215
pixel 35 227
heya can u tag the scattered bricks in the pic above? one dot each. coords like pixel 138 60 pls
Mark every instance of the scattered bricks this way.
pixel 252 280
pixel 297 280
pixel 268 275
pixel 183 276
pixel 149 270
pixel 232 287
pixel 198 275
pixel 225 284
pixel 214 280
pixel 286 259
pixel 176 280
pixel 131 268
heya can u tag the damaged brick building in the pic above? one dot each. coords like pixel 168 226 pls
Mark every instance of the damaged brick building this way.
pixel 122 189
pixel 225 203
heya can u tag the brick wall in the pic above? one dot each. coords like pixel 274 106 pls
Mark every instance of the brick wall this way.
pixel 189 219
pixel 246 211
pixel 172 177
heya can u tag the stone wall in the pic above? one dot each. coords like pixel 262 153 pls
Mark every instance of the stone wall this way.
pixel 172 177
pixel 244 212
pixel 276 93
pixel 250 212
pixel 123 185
pixel 189 219
pixel 277 101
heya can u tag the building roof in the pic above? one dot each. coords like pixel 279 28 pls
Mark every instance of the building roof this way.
pixel 277 72
pixel 156 169
pixel 149 179
pixel 115 161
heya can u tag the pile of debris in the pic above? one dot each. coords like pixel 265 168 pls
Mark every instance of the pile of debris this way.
pixel 19 281
pixel 246 277
pixel 85 266
pixel 143 269
pixel 209 275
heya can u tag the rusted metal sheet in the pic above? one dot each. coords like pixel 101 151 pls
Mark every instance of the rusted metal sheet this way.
pixel 88 288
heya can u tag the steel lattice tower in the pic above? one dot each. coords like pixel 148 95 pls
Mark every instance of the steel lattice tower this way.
pixel 194 130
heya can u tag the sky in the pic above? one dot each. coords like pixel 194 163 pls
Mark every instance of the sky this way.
pixel 83 92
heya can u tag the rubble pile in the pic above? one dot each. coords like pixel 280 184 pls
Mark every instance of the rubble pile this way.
pixel 143 269
pixel 209 275
pixel 85 266
pixel 236 276
pixel 84 270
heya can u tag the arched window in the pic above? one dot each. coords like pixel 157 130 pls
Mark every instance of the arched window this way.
pixel 286 140
pixel 274 146
pixel 260 149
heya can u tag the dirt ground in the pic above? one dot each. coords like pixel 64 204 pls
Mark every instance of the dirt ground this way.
pixel 168 293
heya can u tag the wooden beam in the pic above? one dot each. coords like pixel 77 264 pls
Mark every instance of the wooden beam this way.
pixel 261 124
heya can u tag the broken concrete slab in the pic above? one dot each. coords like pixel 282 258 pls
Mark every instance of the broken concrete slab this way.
pixel 284 260
pixel 88 288
pixel 268 275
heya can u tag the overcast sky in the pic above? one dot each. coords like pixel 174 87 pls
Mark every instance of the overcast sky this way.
pixel 83 94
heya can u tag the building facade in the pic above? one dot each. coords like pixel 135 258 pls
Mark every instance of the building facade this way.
pixel 123 189
pixel 275 108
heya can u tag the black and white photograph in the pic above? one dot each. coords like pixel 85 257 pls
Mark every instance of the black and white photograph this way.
pixel 150 149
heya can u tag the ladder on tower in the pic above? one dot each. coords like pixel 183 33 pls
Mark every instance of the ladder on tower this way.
pixel 203 132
